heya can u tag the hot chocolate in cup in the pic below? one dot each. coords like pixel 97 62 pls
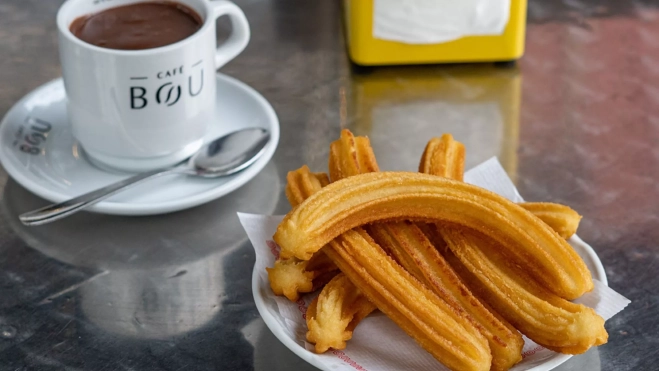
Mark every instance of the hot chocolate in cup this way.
pixel 142 96
pixel 145 25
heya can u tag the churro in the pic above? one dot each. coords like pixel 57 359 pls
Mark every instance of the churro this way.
pixel 292 277
pixel 334 314
pixel 542 316
pixel 545 318
pixel 443 156
pixel 350 155
pixel 563 219
pixel 367 198
pixel 410 247
pixel 436 326
pixel 408 244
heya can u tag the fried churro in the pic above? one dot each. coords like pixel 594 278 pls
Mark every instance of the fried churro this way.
pixel 334 314
pixel 545 318
pixel 367 198
pixel 563 219
pixel 350 155
pixel 436 326
pixel 441 331
pixel 292 277
pixel 444 156
pixel 541 315
pixel 410 247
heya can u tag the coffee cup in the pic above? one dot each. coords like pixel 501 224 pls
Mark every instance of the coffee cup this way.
pixel 142 109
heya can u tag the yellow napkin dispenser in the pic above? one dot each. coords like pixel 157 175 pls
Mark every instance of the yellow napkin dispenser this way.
pixel 365 49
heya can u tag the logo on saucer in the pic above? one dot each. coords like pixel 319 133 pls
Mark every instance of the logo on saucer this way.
pixel 31 136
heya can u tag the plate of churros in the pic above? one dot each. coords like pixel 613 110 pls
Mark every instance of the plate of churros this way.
pixel 427 270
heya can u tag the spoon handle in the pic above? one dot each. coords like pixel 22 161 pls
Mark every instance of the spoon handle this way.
pixel 63 209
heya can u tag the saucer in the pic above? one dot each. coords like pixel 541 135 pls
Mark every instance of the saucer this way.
pixel 38 150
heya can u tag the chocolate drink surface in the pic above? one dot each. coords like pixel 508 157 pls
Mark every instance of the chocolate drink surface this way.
pixel 144 25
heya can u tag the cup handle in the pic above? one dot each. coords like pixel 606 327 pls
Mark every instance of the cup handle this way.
pixel 239 37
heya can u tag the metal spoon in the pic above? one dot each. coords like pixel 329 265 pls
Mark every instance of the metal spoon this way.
pixel 223 156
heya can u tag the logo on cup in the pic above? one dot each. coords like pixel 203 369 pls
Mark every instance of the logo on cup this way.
pixel 167 93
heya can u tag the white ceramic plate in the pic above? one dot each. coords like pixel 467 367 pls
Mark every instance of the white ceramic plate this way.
pixel 273 319
pixel 59 171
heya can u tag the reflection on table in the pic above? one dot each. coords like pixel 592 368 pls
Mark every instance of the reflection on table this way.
pixel 400 108
pixel 158 277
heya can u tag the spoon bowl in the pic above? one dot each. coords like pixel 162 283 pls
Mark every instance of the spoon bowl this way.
pixel 229 154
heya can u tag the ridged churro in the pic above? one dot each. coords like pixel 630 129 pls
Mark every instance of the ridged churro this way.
pixel 350 155
pixel 437 327
pixel 444 156
pixel 291 277
pixel 334 314
pixel 545 318
pixel 410 247
pixel 445 334
pixel 563 219
pixel 542 316
pixel 367 198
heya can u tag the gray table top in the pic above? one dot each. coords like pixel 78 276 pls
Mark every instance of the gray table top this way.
pixel 576 122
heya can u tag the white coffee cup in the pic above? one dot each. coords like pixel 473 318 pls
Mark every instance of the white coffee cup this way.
pixel 142 109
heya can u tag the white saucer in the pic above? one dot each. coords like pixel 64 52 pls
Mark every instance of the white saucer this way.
pixel 59 170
